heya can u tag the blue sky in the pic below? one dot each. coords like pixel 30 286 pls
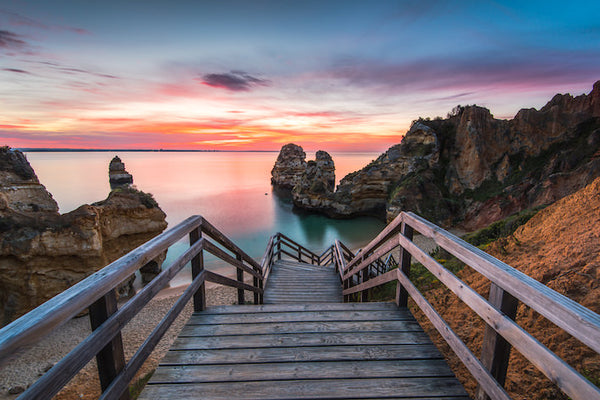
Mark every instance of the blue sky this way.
pixel 258 74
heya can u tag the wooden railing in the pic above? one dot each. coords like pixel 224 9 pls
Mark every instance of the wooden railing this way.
pixel 97 293
pixel 508 287
pixel 280 245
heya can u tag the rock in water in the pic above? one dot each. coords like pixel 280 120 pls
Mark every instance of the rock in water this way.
pixel 42 252
pixel 117 175
pixel 289 167
pixel 316 184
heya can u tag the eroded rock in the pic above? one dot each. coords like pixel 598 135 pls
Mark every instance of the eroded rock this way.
pixel 289 167
pixel 42 252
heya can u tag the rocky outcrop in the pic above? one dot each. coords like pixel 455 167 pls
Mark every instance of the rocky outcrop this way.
pixel 316 184
pixel 472 169
pixel 289 167
pixel 43 252
pixel 118 177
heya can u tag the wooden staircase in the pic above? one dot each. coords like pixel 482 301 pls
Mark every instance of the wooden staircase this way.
pixel 294 282
pixel 299 340
pixel 303 344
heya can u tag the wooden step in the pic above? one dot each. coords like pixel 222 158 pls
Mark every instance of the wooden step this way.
pixel 302 351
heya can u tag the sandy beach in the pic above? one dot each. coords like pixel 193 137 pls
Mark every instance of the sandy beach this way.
pixel 24 369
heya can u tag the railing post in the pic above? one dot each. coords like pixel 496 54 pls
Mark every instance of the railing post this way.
pixel 405 259
pixel 197 267
pixel 255 283
pixel 299 254
pixel 364 295
pixel 260 296
pixel 495 350
pixel 111 359
pixel 278 247
pixel 240 278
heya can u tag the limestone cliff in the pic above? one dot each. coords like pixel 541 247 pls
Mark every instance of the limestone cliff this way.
pixel 289 167
pixel 472 168
pixel 43 252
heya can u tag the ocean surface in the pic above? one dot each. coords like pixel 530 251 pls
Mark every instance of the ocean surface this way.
pixel 232 190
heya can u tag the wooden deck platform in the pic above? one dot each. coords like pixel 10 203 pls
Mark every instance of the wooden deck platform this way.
pixel 305 344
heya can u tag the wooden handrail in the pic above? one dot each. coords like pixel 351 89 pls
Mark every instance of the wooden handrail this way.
pixel 64 306
pixel 116 375
pixel 575 319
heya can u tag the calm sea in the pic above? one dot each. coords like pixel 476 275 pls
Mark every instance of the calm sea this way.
pixel 232 190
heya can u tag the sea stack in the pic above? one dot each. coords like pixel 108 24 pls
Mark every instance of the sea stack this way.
pixel 117 175
pixel 316 185
pixel 289 167
pixel 42 252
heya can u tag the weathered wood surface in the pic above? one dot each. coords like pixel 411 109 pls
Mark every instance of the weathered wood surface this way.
pixel 332 351
pixel 575 319
pixel 565 376
pixel 294 282
pixel 300 327
pixel 310 389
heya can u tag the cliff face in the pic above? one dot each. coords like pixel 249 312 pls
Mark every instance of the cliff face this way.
pixel 43 252
pixel 473 169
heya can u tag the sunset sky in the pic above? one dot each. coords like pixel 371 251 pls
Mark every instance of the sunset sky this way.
pixel 254 75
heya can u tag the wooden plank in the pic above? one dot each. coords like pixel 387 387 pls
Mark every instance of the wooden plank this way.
pixel 297 317
pixel 300 327
pixel 310 389
pixel 223 280
pixel 39 322
pixel 317 353
pixel 299 340
pixel 577 320
pixel 300 370
pixel 238 309
pixel 566 378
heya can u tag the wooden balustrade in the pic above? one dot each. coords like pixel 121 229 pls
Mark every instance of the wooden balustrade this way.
pixel 97 292
pixel 372 266
pixel 508 286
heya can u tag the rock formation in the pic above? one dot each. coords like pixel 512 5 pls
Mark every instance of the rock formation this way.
pixel 289 167
pixel 316 184
pixel 117 175
pixel 472 168
pixel 43 252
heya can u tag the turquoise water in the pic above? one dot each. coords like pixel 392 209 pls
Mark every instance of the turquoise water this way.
pixel 232 190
